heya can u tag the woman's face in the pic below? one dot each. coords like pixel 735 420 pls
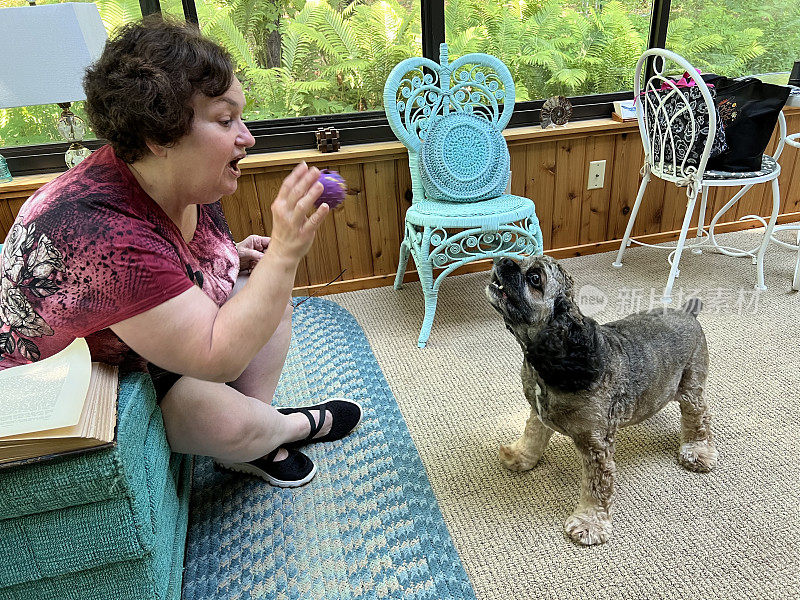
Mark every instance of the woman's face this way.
pixel 204 163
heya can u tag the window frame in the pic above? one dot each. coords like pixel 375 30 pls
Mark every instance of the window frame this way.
pixel 297 133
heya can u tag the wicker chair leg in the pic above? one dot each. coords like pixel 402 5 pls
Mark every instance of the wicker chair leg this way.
pixel 431 294
pixel 401 264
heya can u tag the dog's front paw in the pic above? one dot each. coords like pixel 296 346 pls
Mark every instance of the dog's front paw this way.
pixel 514 458
pixel 589 526
pixel 699 456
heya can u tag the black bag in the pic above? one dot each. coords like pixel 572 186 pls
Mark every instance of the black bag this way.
pixel 682 129
pixel 749 111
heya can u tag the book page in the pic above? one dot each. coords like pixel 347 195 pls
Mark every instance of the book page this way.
pixel 47 394
pixel 97 419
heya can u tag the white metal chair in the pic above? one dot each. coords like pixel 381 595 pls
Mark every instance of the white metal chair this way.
pixel 792 140
pixel 662 117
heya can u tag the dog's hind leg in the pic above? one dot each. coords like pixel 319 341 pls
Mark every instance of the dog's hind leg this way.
pixel 698 452
pixel 528 449
pixel 590 522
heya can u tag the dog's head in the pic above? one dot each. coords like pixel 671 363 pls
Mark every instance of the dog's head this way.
pixel 535 300
pixel 527 294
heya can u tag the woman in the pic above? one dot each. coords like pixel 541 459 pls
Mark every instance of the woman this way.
pixel 130 250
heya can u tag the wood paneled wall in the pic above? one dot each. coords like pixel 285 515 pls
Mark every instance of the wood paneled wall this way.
pixel 363 236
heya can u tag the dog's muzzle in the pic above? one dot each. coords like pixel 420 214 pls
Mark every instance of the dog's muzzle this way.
pixel 505 276
pixel 503 289
pixel 496 288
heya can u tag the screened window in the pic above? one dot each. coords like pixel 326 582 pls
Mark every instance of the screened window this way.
pixel 313 57
pixel 556 47
pixel 736 37
pixel 307 63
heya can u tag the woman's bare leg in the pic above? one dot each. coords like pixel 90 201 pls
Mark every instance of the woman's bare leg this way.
pixel 236 422
pixel 261 376
pixel 213 419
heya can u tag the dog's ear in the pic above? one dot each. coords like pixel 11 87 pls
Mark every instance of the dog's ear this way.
pixel 566 353
pixel 569 284
pixel 565 300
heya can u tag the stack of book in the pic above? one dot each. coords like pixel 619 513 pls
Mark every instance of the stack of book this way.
pixel 624 110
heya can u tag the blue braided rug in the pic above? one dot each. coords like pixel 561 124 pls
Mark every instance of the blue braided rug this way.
pixel 368 526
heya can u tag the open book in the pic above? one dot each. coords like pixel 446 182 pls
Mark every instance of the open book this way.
pixel 58 405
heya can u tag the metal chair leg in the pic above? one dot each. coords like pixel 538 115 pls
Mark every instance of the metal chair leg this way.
pixel 673 272
pixel 626 238
pixel 776 204
pixel 796 279
pixel 701 218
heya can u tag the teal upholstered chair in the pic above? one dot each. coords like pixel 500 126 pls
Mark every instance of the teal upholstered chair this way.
pixel 450 117
pixel 103 524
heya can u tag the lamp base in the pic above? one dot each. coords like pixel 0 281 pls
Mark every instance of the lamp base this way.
pixel 72 129
pixel 76 153
pixel 5 174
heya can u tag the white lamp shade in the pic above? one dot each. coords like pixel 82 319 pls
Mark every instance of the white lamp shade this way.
pixel 44 51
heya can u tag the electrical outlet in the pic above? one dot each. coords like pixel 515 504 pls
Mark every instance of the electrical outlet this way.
pixel 597 174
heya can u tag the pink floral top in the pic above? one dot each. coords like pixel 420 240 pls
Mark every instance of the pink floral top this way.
pixel 90 249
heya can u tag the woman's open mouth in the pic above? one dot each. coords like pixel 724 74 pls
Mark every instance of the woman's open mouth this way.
pixel 233 166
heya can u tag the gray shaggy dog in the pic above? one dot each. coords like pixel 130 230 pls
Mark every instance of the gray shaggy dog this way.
pixel 586 380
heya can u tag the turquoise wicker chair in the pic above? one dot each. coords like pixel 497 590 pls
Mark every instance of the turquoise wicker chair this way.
pixel 450 118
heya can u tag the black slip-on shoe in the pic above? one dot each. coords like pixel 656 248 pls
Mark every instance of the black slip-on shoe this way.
pixel 347 416
pixel 293 471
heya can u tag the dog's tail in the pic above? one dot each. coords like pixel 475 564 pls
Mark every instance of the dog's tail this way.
pixel 693 306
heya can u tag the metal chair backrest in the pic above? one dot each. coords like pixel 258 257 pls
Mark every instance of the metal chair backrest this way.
pixel 667 117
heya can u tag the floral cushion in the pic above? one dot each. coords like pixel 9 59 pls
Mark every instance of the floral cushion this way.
pixel 768 166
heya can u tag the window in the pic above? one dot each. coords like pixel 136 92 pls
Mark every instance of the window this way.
pixel 313 57
pixel 311 63
pixel 554 47
pixel 736 37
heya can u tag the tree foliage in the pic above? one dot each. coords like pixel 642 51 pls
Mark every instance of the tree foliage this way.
pixel 309 57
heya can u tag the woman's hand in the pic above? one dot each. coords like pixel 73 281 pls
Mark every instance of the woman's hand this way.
pixel 293 222
pixel 250 250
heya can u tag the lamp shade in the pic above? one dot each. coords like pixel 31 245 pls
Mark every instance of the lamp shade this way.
pixel 44 51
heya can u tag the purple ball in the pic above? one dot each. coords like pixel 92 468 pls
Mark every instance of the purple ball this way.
pixel 334 188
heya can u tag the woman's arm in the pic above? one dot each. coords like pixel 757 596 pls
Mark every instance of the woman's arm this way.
pixel 189 334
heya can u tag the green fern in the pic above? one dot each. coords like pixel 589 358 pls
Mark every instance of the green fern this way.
pixel 335 55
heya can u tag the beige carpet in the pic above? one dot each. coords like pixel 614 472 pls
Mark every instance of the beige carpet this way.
pixel 734 533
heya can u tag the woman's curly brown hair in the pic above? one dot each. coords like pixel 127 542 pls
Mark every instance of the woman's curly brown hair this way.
pixel 141 87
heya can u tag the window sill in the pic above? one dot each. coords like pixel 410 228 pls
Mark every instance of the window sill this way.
pixel 27 184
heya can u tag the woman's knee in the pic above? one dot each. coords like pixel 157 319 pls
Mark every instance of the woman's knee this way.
pixel 242 437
